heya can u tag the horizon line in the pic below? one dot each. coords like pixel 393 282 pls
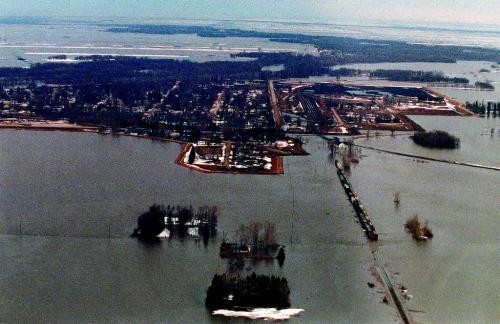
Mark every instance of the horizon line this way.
pixel 321 21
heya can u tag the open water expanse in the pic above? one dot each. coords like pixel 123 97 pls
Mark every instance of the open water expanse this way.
pixel 37 40
pixel 77 184
pixel 36 43
pixel 454 277
pixel 67 193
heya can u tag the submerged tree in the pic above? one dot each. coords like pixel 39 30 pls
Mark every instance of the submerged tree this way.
pixel 419 232
pixel 176 219
pixel 257 234
pixel 192 155
pixel 397 198
pixel 151 223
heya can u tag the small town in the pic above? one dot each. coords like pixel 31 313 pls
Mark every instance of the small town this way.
pixel 235 127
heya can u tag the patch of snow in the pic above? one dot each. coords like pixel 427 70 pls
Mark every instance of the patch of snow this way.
pixel 193 231
pixel 165 233
pixel 267 314
pixel 281 144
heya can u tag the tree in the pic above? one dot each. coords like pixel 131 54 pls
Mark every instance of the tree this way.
pixel 151 223
pixel 192 155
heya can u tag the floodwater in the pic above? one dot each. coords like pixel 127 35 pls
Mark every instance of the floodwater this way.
pixel 77 184
pixel 490 72
pixel 431 33
pixel 75 198
pixel 454 277
pixel 36 43
pixel 477 143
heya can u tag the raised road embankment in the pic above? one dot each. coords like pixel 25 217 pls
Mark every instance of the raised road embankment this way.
pixel 474 165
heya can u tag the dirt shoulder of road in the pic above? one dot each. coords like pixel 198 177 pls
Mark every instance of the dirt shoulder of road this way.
pixel 14 123
pixel 459 107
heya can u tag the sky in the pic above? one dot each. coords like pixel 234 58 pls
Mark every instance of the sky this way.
pixel 448 11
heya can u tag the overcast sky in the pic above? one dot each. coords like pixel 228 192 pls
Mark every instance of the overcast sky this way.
pixel 451 11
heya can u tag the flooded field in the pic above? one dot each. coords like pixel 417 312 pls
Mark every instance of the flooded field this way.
pixel 75 184
pixel 461 204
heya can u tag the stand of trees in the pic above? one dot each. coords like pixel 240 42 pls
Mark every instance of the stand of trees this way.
pixel 102 69
pixel 257 234
pixel 99 71
pixel 150 223
pixel 124 70
pixel 175 218
pixel 436 139
pixel 484 85
pixel 255 240
pixel 233 292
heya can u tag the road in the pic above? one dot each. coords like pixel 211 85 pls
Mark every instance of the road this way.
pixel 274 103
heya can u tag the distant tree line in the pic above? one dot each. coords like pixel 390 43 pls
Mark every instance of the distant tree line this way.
pixel 417 76
pixel 400 75
pixel 484 108
pixel 341 50
pixel 124 69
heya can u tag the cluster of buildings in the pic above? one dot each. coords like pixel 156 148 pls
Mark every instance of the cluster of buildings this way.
pixel 229 157
pixel 335 108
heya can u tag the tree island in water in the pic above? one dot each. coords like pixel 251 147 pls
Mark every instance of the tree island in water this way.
pixel 177 220
pixel 254 291
pixel 436 139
